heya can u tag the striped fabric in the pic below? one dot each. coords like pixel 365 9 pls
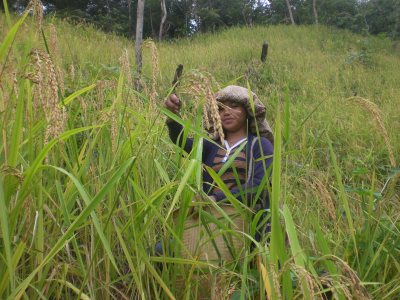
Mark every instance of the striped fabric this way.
pixel 239 162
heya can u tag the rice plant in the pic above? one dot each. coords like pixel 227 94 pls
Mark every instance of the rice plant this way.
pixel 90 181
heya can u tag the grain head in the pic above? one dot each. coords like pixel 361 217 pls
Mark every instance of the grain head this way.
pixel 39 15
pixel 275 279
pixel 72 72
pixel 15 84
pixel 154 61
pixel 377 117
pixel 125 65
pixel 53 43
pixel 46 141
pixel 200 86
pixel 11 171
pixel 326 198
pixel 28 204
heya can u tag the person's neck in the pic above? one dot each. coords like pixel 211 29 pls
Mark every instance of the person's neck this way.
pixel 235 136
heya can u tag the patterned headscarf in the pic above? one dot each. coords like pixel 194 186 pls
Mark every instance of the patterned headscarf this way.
pixel 241 95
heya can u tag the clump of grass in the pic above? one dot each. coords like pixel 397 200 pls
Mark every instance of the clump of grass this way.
pixel 377 117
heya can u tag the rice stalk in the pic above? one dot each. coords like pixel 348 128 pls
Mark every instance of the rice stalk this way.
pixel 55 52
pixel 154 61
pixel 310 282
pixel 72 72
pixel 275 280
pixel 125 65
pixel 46 141
pixel 326 198
pixel 39 16
pixel 63 127
pixel 48 89
pixel 53 43
pixel 377 116
pixel 11 171
pixel 15 82
pixel 352 279
pixel 199 85
pixel 47 283
pixel 224 287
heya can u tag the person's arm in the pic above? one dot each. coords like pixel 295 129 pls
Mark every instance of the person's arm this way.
pixel 175 131
pixel 258 172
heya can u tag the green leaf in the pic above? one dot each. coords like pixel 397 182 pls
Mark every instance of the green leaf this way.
pixel 6 237
pixel 76 94
pixel 360 171
pixel 361 191
pixel 78 221
pixel 10 37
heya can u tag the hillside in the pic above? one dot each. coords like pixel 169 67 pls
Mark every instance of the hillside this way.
pixel 89 181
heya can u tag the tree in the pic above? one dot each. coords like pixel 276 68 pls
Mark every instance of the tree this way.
pixel 164 17
pixel 315 12
pixel 138 42
pixel 290 12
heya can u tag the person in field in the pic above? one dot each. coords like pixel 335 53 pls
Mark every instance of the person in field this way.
pixel 239 125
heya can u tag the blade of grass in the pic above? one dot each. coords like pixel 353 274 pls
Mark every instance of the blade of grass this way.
pixel 78 221
pixel 6 238
pixel 343 197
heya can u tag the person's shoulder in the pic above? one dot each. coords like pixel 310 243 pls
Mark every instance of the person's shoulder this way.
pixel 265 144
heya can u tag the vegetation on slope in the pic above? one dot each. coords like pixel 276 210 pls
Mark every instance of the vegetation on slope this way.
pixel 88 181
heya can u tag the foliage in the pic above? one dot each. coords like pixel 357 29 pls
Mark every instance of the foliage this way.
pixel 80 211
pixel 184 18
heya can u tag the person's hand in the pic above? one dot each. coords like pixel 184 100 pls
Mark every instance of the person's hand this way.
pixel 198 198
pixel 173 104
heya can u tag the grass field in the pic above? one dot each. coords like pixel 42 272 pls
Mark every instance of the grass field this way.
pixel 90 178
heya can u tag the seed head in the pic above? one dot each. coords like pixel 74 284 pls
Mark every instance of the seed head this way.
pixel 125 65
pixel 72 72
pixel 154 60
pixel 54 43
pixel 39 15
pixel 199 85
pixel 377 116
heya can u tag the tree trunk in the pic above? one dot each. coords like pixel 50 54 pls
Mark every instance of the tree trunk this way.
pixel 164 17
pixel 290 12
pixel 130 17
pixel 315 12
pixel 196 17
pixel 138 42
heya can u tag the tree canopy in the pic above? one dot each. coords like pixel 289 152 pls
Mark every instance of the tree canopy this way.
pixel 185 17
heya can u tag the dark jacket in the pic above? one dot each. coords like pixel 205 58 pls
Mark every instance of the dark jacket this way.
pixel 209 152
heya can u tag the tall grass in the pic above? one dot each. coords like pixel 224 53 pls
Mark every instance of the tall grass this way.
pixel 82 208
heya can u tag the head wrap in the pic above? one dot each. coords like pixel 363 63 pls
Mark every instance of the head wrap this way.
pixel 241 95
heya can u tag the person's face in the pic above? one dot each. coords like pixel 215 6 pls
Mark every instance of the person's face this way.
pixel 234 117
